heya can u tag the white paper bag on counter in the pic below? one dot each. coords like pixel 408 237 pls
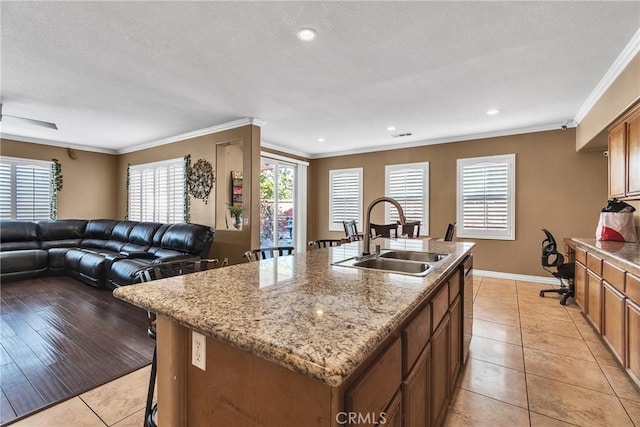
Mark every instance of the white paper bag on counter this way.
pixel 617 226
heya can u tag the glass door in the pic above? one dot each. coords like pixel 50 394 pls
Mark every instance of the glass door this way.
pixel 277 193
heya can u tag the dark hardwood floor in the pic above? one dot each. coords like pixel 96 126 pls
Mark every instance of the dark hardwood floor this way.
pixel 60 337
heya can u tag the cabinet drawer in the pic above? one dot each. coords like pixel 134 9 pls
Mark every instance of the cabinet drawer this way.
pixel 415 337
pixel 594 263
pixel 454 286
pixel 375 389
pixel 613 275
pixel 633 288
pixel 440 305
pixel 581 256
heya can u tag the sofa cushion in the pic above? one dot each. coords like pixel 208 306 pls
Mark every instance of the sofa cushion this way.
pixel 23 260
pixel 99 229
pixel 157 237
pixel 123 270
pixel 62 233
pixel 143 232
pixel 56 257
pixel 91 267
pixel 17 235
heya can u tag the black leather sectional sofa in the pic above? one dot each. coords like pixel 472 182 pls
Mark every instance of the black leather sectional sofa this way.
pixel 99 252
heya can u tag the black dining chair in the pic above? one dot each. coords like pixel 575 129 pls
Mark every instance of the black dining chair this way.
pixel 551 258
pixel 384 230
pixel 411 229
pixel 351 231
pixel 451 229
pixel 266 253
pixel 156 272
pixel 324 243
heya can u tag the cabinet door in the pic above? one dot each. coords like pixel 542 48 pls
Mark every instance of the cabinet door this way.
pixel 455 343
pixel 416 393
pixel 633 155
pixel 613 320
pixel 580 282
pixel 617 161
pixel 393 413
pixel 378 385
pixel 594 289
pixel 440 371
pixel 632 342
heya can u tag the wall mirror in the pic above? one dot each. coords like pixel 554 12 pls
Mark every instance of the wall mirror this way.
pixel 229 185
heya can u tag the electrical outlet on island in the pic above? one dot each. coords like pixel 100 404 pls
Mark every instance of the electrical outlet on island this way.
pixel 199 350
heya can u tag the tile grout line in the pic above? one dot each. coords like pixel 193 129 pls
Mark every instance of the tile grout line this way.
pixel 524 362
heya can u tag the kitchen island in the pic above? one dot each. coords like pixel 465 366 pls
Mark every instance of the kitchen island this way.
pixel 298 341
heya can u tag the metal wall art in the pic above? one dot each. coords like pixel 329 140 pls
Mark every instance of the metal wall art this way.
pixel 201 179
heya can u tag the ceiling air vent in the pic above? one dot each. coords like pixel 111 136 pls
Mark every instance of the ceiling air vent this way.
pixel 400 135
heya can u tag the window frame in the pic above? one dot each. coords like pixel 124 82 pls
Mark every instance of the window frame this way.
pixel 43 164
pixel 493 234
pixel 424 167
pixel 155 166
pixel 337 172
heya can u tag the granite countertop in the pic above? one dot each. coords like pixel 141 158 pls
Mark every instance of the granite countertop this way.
pixel 299 311
pixel 626 255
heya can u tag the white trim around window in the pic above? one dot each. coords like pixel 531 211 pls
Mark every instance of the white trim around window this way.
pixel 345 197
pixel 486 197
pixel 408 183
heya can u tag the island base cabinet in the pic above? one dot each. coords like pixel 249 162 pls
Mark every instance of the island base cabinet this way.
pixel 594 289
pixel 416 392
pixel 440 371
pixel 580 282
pixel 393 414
pixel 633 341
pixel 613 320
pixel 455 350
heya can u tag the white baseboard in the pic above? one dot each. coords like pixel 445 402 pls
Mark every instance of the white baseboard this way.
pixel 521 277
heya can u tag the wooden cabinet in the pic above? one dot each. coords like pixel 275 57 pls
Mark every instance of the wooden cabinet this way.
pixel 632 342
pixel 393 414
pixel 594 291
pixel 580 282
pixel 373 392
pixel 416 392
pixel 440 371
pixel 613 331
pixel 624 155
pixel 455 343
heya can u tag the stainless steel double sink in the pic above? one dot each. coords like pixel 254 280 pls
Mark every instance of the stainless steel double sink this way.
pixel 412 263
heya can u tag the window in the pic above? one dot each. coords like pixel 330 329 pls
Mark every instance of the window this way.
pixel 345 197
pixel 26 189
pixel 157 192
pixel 409 185
pixel 486 194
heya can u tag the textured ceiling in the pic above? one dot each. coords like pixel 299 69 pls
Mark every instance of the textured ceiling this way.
pixel 117 75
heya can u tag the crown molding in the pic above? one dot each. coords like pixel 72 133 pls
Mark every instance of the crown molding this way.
pixel 446 140
pixel 56 143
pixel 272 146
pixel 194 134
pixel 628 53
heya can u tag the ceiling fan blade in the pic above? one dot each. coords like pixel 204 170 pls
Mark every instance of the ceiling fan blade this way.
pixel 34 122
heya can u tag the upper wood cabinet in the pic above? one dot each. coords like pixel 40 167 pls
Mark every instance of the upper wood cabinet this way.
pixel 624 156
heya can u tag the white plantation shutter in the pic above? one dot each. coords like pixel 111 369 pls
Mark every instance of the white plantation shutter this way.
pixel 486 197
pixel 26 189
pixel 409 185
pixel 345 197
pixel 156 191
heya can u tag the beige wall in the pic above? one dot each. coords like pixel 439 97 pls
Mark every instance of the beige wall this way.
pixel 89 181
pixel 556 188
pixel 623 92
pixel 229 243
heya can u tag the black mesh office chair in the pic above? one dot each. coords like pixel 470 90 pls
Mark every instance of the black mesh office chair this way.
pixel 551 258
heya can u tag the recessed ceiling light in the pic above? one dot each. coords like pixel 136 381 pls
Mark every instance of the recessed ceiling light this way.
pixel 320 139
pixel 390 128
pixel 307 34
pixel 492 112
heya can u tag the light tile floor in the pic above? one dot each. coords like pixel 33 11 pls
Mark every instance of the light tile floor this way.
pixel 532 363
